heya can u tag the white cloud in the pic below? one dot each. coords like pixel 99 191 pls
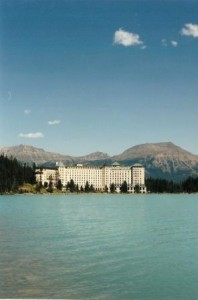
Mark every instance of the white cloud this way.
pixel 27 111
pixel 174 43
pixel 30 135
pixel 190 30
pixel 125 38
pixel 55 122
pixel 164 42
pixel 143 47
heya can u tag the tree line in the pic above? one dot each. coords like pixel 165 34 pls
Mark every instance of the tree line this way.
pixel 156 185
pixel 14 174
pixel 70 187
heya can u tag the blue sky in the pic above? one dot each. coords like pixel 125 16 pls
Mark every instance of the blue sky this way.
pixel 80 76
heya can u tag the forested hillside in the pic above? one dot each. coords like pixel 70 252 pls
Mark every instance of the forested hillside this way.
pixel 13 174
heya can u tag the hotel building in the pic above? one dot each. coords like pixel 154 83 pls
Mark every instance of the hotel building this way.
pixel 100 177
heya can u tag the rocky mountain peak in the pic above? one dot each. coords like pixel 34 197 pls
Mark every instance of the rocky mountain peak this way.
pixel 164 160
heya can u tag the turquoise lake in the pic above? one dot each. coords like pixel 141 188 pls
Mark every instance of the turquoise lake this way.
pixel 99 246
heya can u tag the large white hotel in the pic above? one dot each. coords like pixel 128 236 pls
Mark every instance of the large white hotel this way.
pixel 100 177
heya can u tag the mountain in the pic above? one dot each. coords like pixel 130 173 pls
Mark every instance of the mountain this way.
pixel 93 157
pixel 30 154
pixel 167 150
pixel 163 160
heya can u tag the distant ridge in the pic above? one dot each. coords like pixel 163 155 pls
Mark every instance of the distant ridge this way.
pixel 30 154
pixel 163 160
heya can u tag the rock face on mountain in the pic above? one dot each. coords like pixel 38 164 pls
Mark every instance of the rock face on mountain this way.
pixel 162 160
pixel 159 149
pixel 93 156
pixel 30 154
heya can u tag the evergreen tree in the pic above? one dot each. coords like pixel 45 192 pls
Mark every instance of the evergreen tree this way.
pixel 124 188
pixel 59 185
pixel 87 187
pixel 112 188
pixel 106 189
pixel 45 184
pixel 190 185
pixel 92 189
pixel 71 186
pixel 50 187
pixel 13 174
pixel 137 189
pixel 39 186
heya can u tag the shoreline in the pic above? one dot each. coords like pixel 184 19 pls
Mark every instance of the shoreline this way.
pixel 91 193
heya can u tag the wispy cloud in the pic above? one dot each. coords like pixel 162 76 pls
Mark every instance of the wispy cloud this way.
pixel 27 111
pixel 164 42
pixel 31 135
pixel 55 122
pixel 125 38
pixel 190 30
pixel 143 47
pixel 174 43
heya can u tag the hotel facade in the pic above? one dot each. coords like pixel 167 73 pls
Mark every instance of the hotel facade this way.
pixel 101 178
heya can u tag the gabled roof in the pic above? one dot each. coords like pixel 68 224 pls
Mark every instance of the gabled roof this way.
pixel 115 164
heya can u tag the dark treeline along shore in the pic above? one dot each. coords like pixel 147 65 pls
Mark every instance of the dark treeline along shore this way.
pixel 20 178
pixel 13 174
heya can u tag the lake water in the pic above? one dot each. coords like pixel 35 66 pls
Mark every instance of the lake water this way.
pixel 99 246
